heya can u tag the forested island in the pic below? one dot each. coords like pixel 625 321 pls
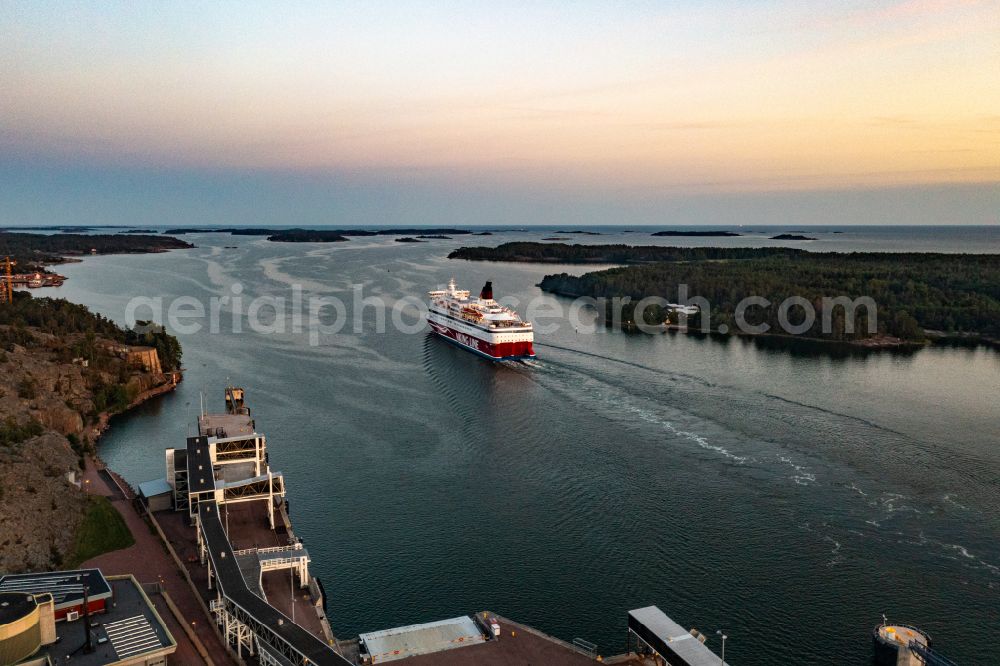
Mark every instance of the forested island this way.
pixel 180 231
pixel 33 251
pixel 918 295
pixel 307 236
pixel 798 237
pixel 283 234
pixel 710 234
pixel 561 253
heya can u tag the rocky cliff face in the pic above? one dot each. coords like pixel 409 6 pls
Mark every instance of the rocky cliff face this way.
pixel 40 509
pixel 52 410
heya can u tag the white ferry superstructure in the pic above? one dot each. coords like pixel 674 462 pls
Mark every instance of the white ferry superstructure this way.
pixel 480 325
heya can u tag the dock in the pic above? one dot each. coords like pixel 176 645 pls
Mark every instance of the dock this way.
pixel 221 509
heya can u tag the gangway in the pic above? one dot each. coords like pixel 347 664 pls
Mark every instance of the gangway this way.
pixel 929 656
pixel 248 620
pixel 254 562
pixel 677 646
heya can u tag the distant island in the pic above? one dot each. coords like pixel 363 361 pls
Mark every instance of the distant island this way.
pixel 33 252
pixel 554 239
pixel 256 231
pixel 436 237
pixel 408 232
pixel 798 237
pixel 709 234
pixel 918 295
pixel 561 253
pixel 407 239
pixel 304 236
pixel 180 231
pixel 137 231
pixel 586 233
pixel 270 231
pixel 61 227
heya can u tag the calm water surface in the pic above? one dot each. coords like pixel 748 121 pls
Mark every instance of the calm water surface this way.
pixel 789 496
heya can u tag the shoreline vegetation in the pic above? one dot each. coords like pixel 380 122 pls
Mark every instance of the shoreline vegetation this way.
pixel 67 371
pixel 920 297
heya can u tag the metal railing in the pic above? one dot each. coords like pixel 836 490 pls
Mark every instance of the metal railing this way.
pixel 269 549
pixel 586 646
pixel 929 656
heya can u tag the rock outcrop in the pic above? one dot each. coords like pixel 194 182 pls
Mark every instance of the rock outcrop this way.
pixel 53 408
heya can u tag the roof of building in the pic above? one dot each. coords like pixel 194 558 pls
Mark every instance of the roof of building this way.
pixel 675 643
pixel 14 606
pixel 66 587
pixel 154 488
pixel 416 639
pixel 225 425
pixel 128 629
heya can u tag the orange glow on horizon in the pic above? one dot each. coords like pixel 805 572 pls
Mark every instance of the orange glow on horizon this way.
pixel 696 99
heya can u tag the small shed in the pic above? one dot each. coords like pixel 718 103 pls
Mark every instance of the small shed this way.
pixel 157 495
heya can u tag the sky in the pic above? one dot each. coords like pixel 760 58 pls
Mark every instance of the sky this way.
pixel 534 112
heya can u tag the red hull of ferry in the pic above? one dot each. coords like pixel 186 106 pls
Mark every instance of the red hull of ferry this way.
pixel 495 351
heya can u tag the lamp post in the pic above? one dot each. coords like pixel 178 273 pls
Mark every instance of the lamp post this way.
pixel 722 633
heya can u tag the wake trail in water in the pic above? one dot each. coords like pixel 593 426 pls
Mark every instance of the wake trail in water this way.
pixel 618 401
pixel 625 362
pixel 858 419
pixel 830 425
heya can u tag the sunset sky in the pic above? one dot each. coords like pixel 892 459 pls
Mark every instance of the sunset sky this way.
pixel 500 113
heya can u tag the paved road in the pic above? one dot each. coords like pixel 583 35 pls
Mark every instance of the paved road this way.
pixel 149 561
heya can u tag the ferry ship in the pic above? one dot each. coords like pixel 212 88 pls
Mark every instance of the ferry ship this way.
pixel 480 325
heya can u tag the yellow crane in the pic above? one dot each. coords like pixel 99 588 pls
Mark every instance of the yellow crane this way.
pixel 7 289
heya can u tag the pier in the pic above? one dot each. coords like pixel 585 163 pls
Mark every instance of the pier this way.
pixel 222 511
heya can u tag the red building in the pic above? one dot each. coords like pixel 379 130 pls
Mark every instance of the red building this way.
pixel 67 588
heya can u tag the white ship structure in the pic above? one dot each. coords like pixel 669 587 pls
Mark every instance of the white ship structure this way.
pixel 480 325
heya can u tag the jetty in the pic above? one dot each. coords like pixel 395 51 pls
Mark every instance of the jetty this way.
pixel 222 512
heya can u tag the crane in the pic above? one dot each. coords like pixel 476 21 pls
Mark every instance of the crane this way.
pixel 7 289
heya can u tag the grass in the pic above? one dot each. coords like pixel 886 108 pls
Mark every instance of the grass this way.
pixel 102 531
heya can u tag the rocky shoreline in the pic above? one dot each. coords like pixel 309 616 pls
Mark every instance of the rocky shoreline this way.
pixel 53 409
pixel 169 384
